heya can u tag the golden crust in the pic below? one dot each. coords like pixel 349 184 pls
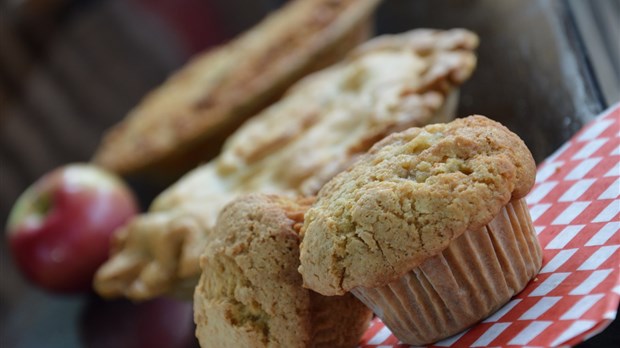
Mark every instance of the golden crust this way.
pixel 408 198
pixel 187 118
pixel 250 293
pixel 292 148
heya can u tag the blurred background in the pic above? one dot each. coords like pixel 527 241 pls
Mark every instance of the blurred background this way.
pixel 70 69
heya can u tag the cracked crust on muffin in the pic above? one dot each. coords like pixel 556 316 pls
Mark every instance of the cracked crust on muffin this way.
pixel 408 198
pixel 250 293
pixel 292 148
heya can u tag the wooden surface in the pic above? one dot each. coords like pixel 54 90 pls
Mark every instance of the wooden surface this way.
pixel 70 69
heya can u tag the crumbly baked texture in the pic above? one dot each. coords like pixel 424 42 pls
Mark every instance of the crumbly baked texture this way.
pixel 250 293
pixel 408 198
pixel 292 148
pixel 185 120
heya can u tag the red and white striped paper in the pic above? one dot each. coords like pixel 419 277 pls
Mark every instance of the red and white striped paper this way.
pixel 575 207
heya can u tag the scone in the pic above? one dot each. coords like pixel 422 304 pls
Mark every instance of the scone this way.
pixel 292 148
pixel 430 229
pixel 250 293
pixel 185 121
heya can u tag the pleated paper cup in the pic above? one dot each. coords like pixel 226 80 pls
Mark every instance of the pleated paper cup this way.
pixel 476 275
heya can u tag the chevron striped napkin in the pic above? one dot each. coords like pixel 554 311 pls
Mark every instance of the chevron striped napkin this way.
pixel 575 207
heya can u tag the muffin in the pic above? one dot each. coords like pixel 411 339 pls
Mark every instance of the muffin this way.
pixel 429 229
pixel 250 293
pixel 292 148
pixel 185 121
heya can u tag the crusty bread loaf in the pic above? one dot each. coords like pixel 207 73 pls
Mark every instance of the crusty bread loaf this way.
pixel 250 293
pixel 292 148
pixel 185 120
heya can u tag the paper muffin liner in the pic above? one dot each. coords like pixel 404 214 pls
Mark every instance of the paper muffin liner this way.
pixel 477 274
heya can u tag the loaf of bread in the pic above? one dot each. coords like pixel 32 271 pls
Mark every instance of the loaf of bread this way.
pixel 185 121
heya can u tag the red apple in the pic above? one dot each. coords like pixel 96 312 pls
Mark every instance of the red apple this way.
pixel 59 229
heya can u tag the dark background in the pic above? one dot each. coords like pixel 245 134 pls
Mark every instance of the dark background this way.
pixel 71 69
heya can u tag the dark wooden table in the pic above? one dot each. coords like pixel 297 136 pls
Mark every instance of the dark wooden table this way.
pixel 70 69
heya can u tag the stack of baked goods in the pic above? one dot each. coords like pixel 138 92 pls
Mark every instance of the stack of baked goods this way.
pixel 292 148
pixel 429 229
pixel 416 219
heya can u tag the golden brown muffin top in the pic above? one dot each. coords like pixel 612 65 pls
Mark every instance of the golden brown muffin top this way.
pixel 404 201
pixel 250 293
pixel 250 289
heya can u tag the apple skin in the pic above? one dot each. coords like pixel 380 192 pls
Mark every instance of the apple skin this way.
pixel 60 228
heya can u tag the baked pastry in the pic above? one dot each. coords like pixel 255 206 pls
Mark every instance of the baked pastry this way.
pixel 291 148
pixel 430 229
pixel 250 293
pixel 185 121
